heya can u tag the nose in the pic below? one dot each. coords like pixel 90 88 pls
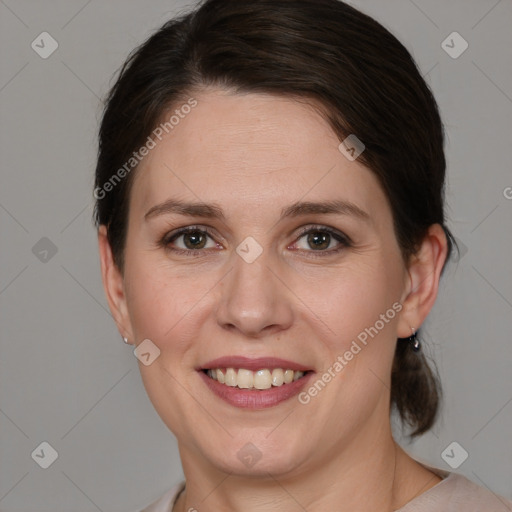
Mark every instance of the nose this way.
pixel 255 299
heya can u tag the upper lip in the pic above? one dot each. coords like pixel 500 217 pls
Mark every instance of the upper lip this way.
pixel 253 364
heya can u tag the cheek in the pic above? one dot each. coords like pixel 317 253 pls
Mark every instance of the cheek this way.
pixel 361 310
pixel 164 303
pixel 350 299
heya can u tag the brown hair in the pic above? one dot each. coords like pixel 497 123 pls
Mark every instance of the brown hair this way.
pixel 323 51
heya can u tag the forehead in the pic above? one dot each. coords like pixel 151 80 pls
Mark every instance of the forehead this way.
pixel 251 150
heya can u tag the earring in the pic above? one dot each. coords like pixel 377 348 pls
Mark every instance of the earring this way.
pixel 413 341
pixel 125 340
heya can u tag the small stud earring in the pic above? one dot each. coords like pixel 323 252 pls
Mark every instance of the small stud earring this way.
pixel 125 340
pixel 413 341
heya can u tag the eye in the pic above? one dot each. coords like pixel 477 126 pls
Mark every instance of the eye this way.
pixel 321 239
pixel 193 240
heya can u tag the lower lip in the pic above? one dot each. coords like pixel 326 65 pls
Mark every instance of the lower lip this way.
pixel 255 398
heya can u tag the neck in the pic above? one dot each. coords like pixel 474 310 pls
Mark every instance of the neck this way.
pixel 371 473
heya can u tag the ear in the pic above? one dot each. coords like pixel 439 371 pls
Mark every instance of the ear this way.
pixel 113 284
pixel 424 272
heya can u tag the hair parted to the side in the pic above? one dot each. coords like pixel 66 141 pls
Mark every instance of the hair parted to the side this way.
pixel 322 51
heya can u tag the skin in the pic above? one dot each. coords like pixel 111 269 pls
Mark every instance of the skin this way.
pixel 253 155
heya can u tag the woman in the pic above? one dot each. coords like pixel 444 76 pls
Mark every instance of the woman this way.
pixel 269 189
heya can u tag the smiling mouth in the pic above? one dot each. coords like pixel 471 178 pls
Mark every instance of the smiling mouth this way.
pixel 259 380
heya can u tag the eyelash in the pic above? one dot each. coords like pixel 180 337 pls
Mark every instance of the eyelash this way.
pixel 342 239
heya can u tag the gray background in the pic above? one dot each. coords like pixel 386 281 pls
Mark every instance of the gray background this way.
pixel 65 375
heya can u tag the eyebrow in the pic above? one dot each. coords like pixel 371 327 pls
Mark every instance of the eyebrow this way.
pixel 213 211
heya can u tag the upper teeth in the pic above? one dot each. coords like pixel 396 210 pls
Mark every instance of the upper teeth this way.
pixel 247 379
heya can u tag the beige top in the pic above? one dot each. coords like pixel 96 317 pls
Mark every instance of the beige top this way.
pixel 453 494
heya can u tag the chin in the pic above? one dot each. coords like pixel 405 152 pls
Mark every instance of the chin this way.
pixel 258 457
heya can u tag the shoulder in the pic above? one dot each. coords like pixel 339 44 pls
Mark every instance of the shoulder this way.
pixel 165 502
pixel 456 492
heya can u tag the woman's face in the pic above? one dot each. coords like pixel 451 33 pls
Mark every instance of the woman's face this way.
pixel 255 286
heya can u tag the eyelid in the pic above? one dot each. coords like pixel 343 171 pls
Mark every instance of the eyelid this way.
pixel 176 233
pixel 344 241
pixel 323 227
